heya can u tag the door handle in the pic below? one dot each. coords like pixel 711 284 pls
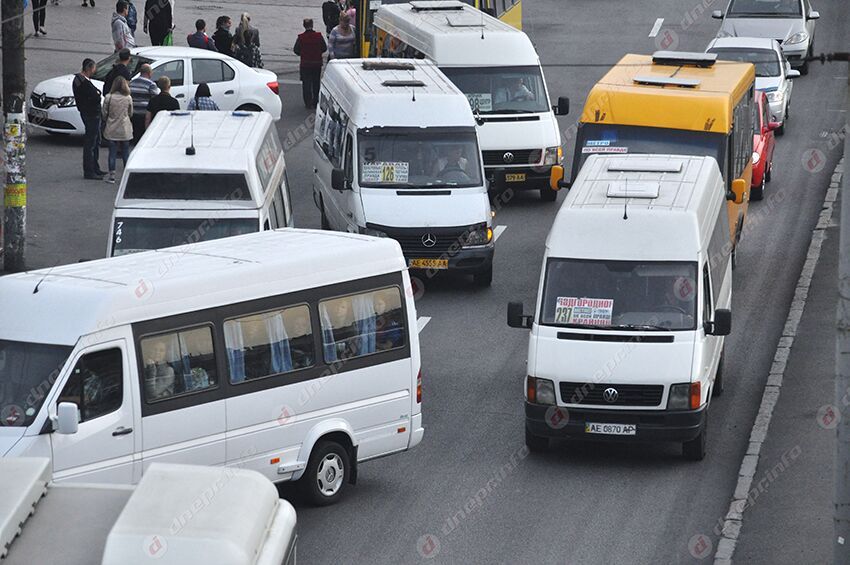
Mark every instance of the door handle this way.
pixel 228 92
pixel 122 431
pixel 180 96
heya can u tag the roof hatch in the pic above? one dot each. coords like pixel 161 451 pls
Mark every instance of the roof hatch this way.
pixel 370 65
pixel 437 6
pixel 645 166
pixel 667 81
pixel 633 189
pixel 392 83
pixel 684 58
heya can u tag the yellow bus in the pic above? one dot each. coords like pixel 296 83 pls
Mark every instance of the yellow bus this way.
pixel 676 103
pixel 509 11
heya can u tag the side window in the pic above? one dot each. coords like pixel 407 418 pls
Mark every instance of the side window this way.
pixel 178 363
pixel 332 123
pixel 707 310
pixel 171 69
pixel 227 72
pixel 362 324
pixel 96 384
pixel 207 70
pixel 269 344
pixel 349 158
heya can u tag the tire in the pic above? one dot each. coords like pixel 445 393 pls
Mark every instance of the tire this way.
pixel 484 278
pixel 769 173
pixel 326 225
pixel 536 444
pixel 780 131
pixel 249 108
pixel 758 192
pixel 327 473
pixel 717 390
pixel 694 450
pixel 548 195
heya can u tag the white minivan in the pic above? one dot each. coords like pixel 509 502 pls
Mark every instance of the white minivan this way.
pixel 290 352
pixel 496 66
pixel 197 176
pixel 396 155
pixel 627 336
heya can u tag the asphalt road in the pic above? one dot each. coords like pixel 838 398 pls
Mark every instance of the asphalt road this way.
pixel 470 485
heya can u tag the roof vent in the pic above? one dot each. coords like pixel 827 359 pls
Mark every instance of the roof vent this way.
pixel 683 58
pixel 388 66
pixel 644 166
pixel 465 20
pixel 667 81
pixel 633 189
pixel 393 83
pixel 436 6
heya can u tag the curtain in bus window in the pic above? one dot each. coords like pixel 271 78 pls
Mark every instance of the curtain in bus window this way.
pixel 235 345
pixel 281 356
pixel 328 343
pixel 364 316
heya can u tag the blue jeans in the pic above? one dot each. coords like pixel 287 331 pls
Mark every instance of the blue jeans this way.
pixel 113 150
pixel 91 145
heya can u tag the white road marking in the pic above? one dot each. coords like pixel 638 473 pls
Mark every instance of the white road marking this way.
pixel 497 231
pixel 422 322
pixel 657 27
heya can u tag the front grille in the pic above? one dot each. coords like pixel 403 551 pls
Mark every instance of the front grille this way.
pixel 413 246
pixel 520 157
pixel 627 395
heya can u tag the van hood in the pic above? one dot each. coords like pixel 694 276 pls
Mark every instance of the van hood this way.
pixel 392 208
pixel 60 86
pixel 521 134
pixel 9 437
pixel 775 28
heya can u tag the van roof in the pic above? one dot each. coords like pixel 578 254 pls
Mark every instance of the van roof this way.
pixel 396 92
pixel 671 202
pixel 450 33
pixel 79 299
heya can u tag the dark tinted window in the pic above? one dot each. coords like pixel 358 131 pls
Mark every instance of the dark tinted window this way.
pixel 131 235
pixel 96 385
pixel 187 186
pixel 104 66
pixel 178 363
pixel 27 373
pixel 362 324
pixel 756 8
pixel 210 70
pixel 172 69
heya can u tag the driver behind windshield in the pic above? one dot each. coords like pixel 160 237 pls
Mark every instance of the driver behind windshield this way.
pixel 514 90
pixel 451 159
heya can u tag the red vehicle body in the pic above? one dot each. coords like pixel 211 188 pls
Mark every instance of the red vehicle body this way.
pixel 764 142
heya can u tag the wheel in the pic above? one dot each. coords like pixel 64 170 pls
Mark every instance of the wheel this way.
pixel 326 225
pixel 249 108
pixel 548 195
pixel 536 444
pixel 484 278
pixel 758 192
pixel 327 472
pixel 780 131
pixel 717 390
pixel 694 450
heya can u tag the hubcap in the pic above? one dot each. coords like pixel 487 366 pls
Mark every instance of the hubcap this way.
pixel 330 474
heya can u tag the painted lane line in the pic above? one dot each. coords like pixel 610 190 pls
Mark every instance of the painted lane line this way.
pixel 657 27
pixel 497 231
pixel 422 322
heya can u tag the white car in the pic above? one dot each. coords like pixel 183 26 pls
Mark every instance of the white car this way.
pixel 234 86
pixel 773 71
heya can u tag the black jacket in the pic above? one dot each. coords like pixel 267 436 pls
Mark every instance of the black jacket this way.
pixel 87 96
pixel 223 41
pixel 330 14
pixel 117 70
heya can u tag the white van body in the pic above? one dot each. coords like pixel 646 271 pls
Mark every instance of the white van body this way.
pixel 177 514
pixel 240 351
pixel 235 181
pixel 636 269
pixel 387 126
pixel 520 138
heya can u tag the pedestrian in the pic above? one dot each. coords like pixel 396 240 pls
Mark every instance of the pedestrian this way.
pixel 119 69
pixel 330 15
pixel 132 17
pixel 87 99
pixel 222 36
pixel 117 128
pixel 341 44
pixel 122 37
pixel 142 89
pixel 310 45
pixel 351 11
pixel 158 21
pixel 85 3
pixel 203 99
pixel 39 11
pixel 247 39
pixel 162 101
pixel 200 39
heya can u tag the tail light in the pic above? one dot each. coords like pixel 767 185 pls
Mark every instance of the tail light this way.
pixel 696 396
pixel 419 387
pixel 274 86
pixel 531 389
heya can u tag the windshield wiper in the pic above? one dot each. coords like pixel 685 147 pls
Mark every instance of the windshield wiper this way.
pixel 644 327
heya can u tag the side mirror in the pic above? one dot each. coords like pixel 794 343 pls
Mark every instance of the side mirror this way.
pixel 814 15
pixel 722 323
pixel 338 180
pixel 516 319
pixel 556 177
pixel 717 14
pixel 773 125
pixel 67 418
pixel 563 107
pixel 739 191
pixel 792 73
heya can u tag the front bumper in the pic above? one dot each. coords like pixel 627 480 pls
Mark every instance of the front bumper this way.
pixel 652 425
pixel 533 178
pixel 466 259
pixel 796 53
pixel 56 119
pixel 777 111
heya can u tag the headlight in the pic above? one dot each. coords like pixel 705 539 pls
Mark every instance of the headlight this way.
pixel 478 235
pixel 540 391
pixel 67 102
pixel 552 156
pixel 775 96
pixel 756 158
pixel 374 233
pixel 679 398
pixel 798 37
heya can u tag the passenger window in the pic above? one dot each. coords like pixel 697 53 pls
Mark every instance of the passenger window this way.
pixel 269 344
pixel 332 123
pixel 707 310
pixel 96 384
pixel 172 69
pixel 178 363
pixel 227 72
pixel 210 70
pixel 362 324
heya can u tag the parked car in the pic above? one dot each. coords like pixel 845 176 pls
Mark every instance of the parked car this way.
pixel 763 145
pixel 791 22
pixel 234 86
pixel 773 71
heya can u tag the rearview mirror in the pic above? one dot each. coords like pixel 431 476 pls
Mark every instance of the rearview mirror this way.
pixel 813 15
pixel 792 73
pixel 516 319
pixel 773 125
pixel 563 107
pixel 722 323
pixel 556 176
pixel 717 14
pixel 67 418
pixel 739 191
pixel 338 180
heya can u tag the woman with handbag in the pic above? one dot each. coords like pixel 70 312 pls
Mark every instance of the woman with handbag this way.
pixel 158 21
pixel 247 40
pixel 117 111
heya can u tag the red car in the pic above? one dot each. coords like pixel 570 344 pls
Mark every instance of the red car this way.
pixel 764 141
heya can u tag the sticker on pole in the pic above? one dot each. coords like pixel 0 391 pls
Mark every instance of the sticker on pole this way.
pixel 386 172
pixel 15 195
pixel 592 311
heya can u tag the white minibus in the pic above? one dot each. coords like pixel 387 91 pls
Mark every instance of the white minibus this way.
pixel 498 69
pixel 627 336
pixel 290 352
pixel 396 155
pixel 197 176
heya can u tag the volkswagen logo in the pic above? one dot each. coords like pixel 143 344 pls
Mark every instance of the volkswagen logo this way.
pixel 610 395
pixel 508 157
pixel 429 240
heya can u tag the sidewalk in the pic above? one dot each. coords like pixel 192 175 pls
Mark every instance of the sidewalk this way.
pixel 789 518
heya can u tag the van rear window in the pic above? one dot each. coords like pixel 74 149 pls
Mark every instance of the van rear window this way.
pixel 187 186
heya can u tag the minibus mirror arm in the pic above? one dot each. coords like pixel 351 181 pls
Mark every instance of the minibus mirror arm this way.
pixel 722 323
pixel 516 318
pixel 563 106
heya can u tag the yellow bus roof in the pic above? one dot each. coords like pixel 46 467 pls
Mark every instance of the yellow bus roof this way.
pixel 708 106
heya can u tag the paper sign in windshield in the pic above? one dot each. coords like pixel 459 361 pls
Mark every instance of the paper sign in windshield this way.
pixel 592 311
pixel 386 172
pixel 482 102
pixel 604 149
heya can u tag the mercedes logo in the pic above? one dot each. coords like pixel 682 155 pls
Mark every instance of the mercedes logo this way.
pixel 610 395
pixel 429 240
pixel 508 157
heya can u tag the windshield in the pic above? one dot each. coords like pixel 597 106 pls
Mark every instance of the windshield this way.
pixel 104 66
pixel 131 235
pixel 187 186
pixel 765 8
pixel 501 90
pixel 619 294
pixel 765 60
pixel 420 157
pixel 608 139
pixel 27 373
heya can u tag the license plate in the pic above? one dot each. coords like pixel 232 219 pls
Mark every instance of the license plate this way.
pixel 429 264
pixel 515 177
pixel 39 115
pixel 610 429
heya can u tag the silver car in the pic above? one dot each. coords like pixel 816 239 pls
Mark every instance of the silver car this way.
pixel 791 22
